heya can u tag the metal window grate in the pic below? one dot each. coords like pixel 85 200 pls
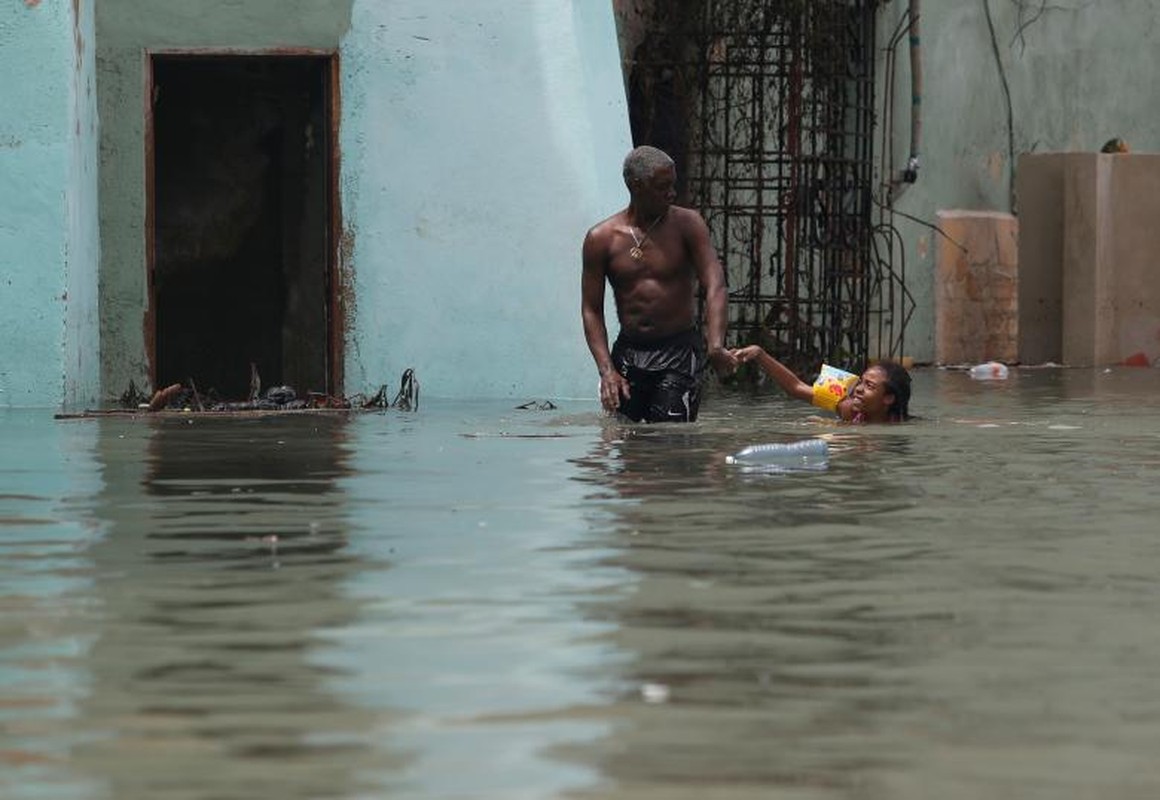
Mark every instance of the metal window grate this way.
pixel 768 107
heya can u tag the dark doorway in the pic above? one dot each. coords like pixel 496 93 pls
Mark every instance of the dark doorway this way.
pixel 242 220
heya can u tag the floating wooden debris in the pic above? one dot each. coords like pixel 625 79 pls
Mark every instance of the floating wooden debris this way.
pixel 181 399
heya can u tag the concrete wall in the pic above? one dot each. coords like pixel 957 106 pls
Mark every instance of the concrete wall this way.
pixel 48 239
pixel 1079 74
pixel 478 141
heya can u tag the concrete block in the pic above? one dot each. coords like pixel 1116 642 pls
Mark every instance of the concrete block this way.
pixel 976 287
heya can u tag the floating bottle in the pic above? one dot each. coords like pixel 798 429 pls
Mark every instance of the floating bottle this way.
pixel 990 371
pixel 807 454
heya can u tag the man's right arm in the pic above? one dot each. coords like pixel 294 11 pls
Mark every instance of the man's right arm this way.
pixel 595 259
pixel 592 301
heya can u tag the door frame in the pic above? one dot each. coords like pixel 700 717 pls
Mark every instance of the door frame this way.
pixel 335 286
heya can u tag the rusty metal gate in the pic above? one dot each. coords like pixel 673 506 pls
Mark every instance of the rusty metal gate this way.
pixel 768 107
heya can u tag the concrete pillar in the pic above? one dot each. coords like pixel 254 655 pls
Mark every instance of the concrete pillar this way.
pixel 976 287
pixel 48 216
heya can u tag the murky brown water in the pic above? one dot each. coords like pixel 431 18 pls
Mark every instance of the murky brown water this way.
pixel 474 601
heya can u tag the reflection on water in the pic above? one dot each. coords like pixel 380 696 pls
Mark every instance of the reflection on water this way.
pixel 222 561
pixel 47 611
pixel 476 601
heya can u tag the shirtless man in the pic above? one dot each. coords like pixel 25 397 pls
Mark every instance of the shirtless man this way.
pixel 654 255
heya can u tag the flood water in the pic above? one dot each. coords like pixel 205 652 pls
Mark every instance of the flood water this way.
pixel 474 601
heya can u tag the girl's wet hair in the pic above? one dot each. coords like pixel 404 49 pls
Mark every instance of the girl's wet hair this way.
pixel 897 384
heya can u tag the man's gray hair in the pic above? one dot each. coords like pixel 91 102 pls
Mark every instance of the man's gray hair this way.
pixel 642 162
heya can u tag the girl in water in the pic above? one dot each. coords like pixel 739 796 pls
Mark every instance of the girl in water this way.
pixel 881 394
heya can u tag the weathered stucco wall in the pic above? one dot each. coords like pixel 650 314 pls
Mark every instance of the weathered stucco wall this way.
pixel 478 141
pixel 1079 74
pixel 479 144
pixel 47 234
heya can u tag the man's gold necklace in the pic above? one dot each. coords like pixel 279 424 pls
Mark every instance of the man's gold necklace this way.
pixel 637 252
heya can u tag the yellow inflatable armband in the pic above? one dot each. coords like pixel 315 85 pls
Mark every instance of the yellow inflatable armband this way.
pixel 831 386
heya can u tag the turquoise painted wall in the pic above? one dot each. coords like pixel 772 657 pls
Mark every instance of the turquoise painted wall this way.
pixel 47 206
pixel 1079 74
pixel 479 140
pixel 479 144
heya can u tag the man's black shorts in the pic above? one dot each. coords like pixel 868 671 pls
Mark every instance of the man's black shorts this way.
pixel 664 376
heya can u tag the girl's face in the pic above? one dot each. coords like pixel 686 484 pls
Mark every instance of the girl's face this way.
pixel 871 399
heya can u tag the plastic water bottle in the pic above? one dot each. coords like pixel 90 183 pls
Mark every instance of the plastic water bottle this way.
pixel 807 454
pixel 991 371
